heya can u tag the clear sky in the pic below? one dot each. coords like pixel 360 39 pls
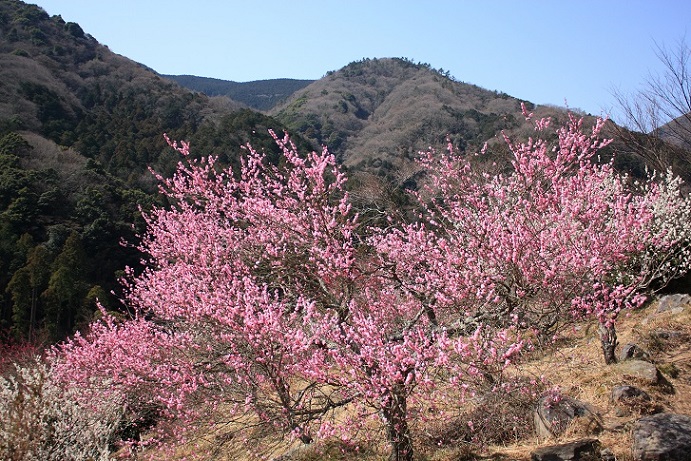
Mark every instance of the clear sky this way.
pixel 543 51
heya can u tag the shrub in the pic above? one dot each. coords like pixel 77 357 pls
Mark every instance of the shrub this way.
pixel 41 421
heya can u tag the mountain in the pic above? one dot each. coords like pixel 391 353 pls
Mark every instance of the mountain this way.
pixel 260 95
pixel 377 114
pixel 376 111
pixel 59 82
pixel 677 131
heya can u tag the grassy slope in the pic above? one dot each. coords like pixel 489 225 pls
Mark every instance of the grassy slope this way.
pixel 574 364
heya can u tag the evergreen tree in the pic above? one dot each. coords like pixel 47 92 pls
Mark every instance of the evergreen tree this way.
pixel 66 289
pixel 24 287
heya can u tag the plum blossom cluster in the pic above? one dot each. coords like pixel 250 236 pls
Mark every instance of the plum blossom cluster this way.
pixel 559 236
pixel 260 295
pixel 265 300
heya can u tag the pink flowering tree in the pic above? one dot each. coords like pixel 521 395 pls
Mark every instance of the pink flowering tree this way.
pixel 262 301
pixel 559 236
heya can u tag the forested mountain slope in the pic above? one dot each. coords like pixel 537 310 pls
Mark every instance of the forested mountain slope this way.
pixel 260 95
pixel 79 127
pixel 377 114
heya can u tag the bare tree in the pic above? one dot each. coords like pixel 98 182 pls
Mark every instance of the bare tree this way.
pixel 657 119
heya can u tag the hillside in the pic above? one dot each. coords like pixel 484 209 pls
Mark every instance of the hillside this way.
pixel 677 135
pixel 79 127
pixel 260 95
pixel 377 114
pixel 58 81
pixel 505 427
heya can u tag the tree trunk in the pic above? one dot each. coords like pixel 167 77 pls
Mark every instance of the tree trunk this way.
pixel 395 416
pixel 608 338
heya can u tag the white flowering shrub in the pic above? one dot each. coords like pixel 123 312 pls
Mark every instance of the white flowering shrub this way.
pixel 671 255
pixel 42 421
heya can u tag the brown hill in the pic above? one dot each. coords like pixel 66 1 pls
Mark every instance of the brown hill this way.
pixel 59 82
pixel 376 114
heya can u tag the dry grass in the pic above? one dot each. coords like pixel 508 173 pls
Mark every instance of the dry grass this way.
pixel 579 370
pixel 574 363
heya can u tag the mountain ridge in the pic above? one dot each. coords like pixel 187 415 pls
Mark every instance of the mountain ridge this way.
pixel 260 95
pixel 376 114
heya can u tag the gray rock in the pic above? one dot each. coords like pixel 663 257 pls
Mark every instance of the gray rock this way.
pixel 607 455
pixel 633 351
pixel 552 418
pixel 641 370
pixel 673 303
pixel 668 335
pixel 627 398
pixel 661 437
pixel 580 450
pixel 646 373
pixel 626 393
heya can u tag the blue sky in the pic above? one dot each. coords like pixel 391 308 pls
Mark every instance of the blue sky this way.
pixel 543 51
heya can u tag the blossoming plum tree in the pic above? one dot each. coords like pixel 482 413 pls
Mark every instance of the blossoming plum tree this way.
pixel 264 299
pixel 43 420
pixel 260 294
pixel 560 235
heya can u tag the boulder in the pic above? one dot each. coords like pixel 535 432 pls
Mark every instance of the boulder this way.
pixel 627 397
pixel 647 373
pixel 552 417
pixel 667 336
pixel 580 450
pixel 674 304
pixel 626 393
pixel 607 455
pixel 633 351
pixel 641 370
pixel 664 436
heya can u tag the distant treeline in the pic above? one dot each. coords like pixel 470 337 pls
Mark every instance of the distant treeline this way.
pixel 260 95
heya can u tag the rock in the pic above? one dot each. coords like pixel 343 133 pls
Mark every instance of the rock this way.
pixel 674 304
pixel 668 335
pixel 633 351
pixel 580 450
pixel 642 371
pixel 607 455
pixel 663 436
pixel 553 417
pixel 621 412
pixel 626 393
pixel 630 397
pixel 669 369
pixel 661 340
pixel 647 373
